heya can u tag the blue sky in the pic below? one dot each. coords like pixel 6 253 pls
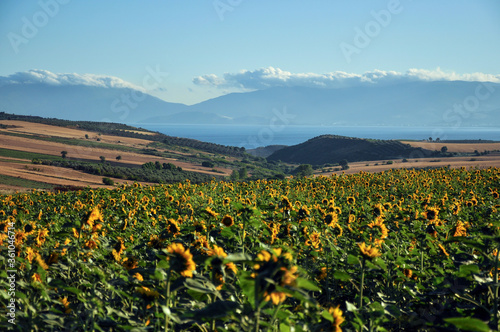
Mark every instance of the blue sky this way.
pixel 201 48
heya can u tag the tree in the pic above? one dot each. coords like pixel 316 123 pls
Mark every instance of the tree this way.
pixel 87 136
pixel 103 159
pixel 108 181
pixel 64 153
pixel 344 164
pixel 243 173
pixel 303 170
pixel 118 158
pixel 235 175
pixel 444 149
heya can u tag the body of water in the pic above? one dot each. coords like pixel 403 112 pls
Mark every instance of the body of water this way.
pixel 252 136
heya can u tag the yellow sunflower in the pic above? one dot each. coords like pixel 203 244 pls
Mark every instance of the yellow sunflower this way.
pixel 337 318
pixel 181 260
pixel 368 251
pixel 275 266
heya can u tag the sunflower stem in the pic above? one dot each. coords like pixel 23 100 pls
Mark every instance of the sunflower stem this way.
pixel 257 319
pixel 167 317
pixel 212 300
pixel 362 285
pixel 257 305
pixel 495 293
pixel 421 260
pixel 273 320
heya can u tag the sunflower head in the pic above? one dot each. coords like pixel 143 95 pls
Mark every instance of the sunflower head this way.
pixel 368 251
pixel 228 221
pixel 431 214
pixel 378 210
pixel 331 219
pixel 181 260
pixel 274 268
pixel 130 263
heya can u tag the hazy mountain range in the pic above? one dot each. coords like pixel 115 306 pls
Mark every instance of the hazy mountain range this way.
pixel 420 103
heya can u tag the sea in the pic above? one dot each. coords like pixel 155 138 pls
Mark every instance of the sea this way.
pixel 254 136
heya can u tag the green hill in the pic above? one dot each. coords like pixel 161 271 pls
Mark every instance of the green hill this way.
pixel 328 149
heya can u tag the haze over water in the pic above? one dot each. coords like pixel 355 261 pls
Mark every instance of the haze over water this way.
pixel 252 136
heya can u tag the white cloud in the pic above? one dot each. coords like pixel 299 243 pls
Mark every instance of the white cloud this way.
pixel 274 77
pixel 47 77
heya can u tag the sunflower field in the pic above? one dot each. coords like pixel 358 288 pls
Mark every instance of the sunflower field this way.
pixel 402 250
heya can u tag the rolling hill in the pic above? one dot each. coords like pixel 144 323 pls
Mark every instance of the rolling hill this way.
pixel 331 149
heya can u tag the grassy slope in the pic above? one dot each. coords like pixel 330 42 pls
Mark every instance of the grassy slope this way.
pixel 24 183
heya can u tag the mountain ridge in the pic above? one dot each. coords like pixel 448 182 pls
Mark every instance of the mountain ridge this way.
pixel 436 103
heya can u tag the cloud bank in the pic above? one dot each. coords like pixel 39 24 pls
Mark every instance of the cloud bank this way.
pixel 274 77
pixel 46 77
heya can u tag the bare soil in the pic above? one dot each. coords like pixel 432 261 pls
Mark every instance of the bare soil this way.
pixel 455 147
pixel 62 176
pixel 492 160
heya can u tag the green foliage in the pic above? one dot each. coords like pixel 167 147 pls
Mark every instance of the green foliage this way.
pixel 208 164
pixel 303 170
pixel 108 181
pixel 147 173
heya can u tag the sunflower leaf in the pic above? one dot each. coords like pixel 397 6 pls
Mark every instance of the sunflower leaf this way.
pixel 468 324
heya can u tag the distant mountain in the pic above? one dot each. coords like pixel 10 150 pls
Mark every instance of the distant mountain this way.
pixel 331 149
pixel 408 104
pixel 438 103
pixel 83 103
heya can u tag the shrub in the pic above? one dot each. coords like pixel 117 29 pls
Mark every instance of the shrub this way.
pixel 208 164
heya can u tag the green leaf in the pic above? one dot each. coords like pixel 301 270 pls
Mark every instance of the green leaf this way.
pixel 380 263
pixel 247 285
pixel 472 243
pixel 307 284
pixel 200 287
pixel 163 264
pixel 468 324
pixel 218 309
pixel 238 257
pixel 353 260
pixel 73 290
pixel 350 306
pixel 326 315
pixel 160 274
pixel 466 270
pixel 227 233
pixel 341 275
pixel 284 327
